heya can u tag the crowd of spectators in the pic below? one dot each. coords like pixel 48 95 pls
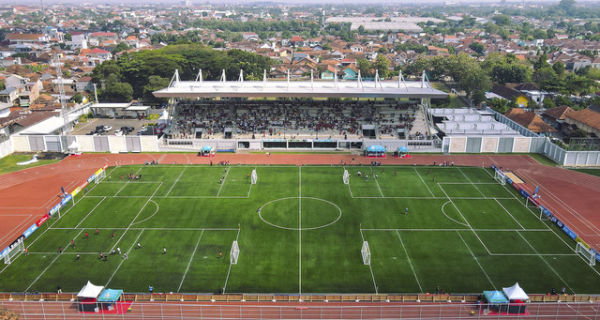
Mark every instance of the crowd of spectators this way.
pixel 293 117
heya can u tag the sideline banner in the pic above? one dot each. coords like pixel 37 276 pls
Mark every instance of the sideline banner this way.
pixel 66 200
pixel 42 220
pixel 30 230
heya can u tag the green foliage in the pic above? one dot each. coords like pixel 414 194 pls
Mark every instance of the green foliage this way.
pixel 68 37
pixel 477 47
pixel 559 68
pixel 122 46
pixel 501 19
pixel 136 69
pixel 416 47
pixel 501 105
pixel 567 5
pixel 154 83
pixel 78 98
pixel 365 67
pixel 382 65
pixel 548 103
pixel 506 68
pixel 2 85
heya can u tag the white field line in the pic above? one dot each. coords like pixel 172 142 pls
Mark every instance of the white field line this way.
pixel 87 215
pixel 409 261
pixel 127 182
pixel 425 198
pixel 223 182
pixel 546 262
pixel 123 260
pixel 178 197
pixel 457 229
pixel 535 215
pixel 160 229
pixel 50 264
pixel 175 182
pixel 476 260
pixel 229 270
pixel 377 183
pixel 421 178
pixel 300 230
pixel 370 268
pixel 465 219
pixel 187 268
pixel 448 217
pixel 517 221
pixel 471 182
pixel 137 215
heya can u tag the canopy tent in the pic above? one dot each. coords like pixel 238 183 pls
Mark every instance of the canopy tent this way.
pixel 495 296
pixel 110 295
pixel 206 149
pixel 376 149
pixel 515 293
pixel 90 291
pixel 403 149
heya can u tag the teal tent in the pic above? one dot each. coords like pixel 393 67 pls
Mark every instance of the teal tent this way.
pixel 110 295
pixel 403 149
pixel 206 149
pixel 495 296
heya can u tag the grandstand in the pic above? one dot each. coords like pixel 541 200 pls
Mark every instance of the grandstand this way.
pixel 299 110
pixel 461 122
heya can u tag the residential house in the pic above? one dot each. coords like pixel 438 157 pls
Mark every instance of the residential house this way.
pixel 78 40
pixel 504 92
pixel 95 55
pixel 27 38
pixel 556 116
pixel 99 38
pixel 530 120
pixel 350 73
pixel 328 73
pixel 84 84
pixel 9 95
pixel 586 120
pixel 250 36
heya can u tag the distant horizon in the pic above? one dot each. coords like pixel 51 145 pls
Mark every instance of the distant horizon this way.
pixel 36 3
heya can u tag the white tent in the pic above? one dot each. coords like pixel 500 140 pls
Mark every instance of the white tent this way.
pixel 90 291
pixel 75 145
pixel 515 293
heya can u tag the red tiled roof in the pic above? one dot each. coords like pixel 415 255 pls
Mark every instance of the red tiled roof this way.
pixel 586 116
pixel 529 120
pixel 558 113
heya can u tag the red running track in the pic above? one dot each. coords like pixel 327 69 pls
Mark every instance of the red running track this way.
pixel 269 310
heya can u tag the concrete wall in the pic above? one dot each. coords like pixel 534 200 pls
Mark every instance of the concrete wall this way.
pixel 6 148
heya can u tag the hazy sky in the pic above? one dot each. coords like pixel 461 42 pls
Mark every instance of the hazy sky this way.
pixel 140 2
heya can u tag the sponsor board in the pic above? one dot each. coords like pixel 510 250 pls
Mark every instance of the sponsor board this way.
pixel 42 220
pixel 30 230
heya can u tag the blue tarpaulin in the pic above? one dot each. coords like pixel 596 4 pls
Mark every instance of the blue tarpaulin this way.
pixel 375 148
pixel 495 296
pixel 109 295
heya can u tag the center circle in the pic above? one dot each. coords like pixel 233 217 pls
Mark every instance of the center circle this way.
pixel 300 213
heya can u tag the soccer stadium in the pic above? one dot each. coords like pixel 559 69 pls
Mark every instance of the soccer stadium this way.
pixel 302 199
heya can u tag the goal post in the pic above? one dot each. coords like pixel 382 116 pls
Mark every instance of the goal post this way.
pixel 586 253
pixel 346 177
pixel 500 177
pixel 14 252
pixel 253 177
pixel 234 253
pixel 101 175
pixel 366 253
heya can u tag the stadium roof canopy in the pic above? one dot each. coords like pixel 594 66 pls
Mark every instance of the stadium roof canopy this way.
pixel 299 89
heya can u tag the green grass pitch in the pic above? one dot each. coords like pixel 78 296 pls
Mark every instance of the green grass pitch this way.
pixel 300 230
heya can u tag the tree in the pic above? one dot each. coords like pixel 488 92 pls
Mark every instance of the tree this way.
pixel 68 37
pixel 567 5
pixel 548 103
pixel 154 83
pixel 382 65
pixel 122 46
pixel 365 67
pixel 559 68
pixel 501 19
pixel 361 29
pixel 78 98
pixel 477 47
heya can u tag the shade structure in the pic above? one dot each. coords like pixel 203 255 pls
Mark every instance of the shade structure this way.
pixel 206 149
pixel 515 293
pixel 90 291
pixel 110 295
pixel 495 296
pixel 375 148
pixel 403 149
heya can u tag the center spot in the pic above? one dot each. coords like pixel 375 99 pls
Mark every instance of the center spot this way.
pixel 306 213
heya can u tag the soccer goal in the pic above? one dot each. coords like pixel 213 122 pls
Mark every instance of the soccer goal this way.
pixel 253 177
pixel 234 253
pixel 346 177
pixel 500 177
pixel 16 250
pixel 588 255
pixel 100 176
pixel 366 253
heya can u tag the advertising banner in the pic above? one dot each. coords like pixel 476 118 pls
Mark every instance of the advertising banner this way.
pixel 30 230
pixel 76 191
pixel 91 178
pixel 66 200
pixel 42 220
pixel 55 209
pixel 569 232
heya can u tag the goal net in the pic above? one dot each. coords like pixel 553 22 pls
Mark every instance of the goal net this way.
pixel 366 253
pixel 100 176
pixel 14 252
pixel 500 177
pixel 253 177
pixel 234 253
pixel 587 254
pixel 346 177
